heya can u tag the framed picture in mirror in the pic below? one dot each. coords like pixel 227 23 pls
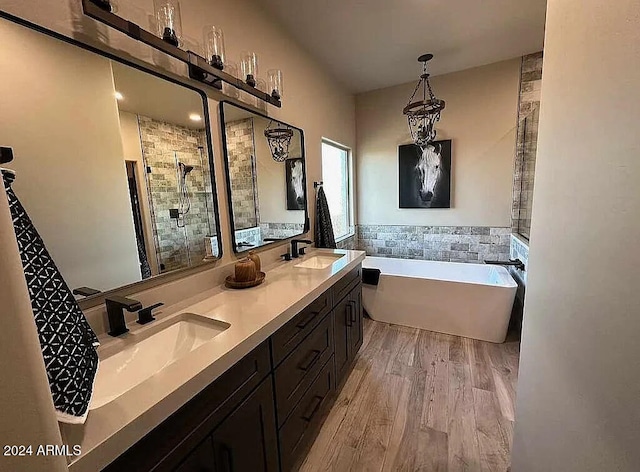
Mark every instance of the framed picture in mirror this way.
pixel 294 169
pixel 268 197
pixel 118 183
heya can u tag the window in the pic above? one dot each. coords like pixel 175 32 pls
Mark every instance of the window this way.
pixel 336 175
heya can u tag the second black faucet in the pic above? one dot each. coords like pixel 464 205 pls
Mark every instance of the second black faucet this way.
pixel 294 246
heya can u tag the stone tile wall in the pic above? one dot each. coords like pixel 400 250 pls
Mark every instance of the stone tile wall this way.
pixel 244 193
pixel 527 143
pixel 175 246
pixel 281 230
pixel 252 236
pixel 520 250
pixel 436 243
pixel 350 243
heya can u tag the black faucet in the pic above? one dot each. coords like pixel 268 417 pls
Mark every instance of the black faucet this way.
pixel 294 246
pixel 517 263
pixel 145 315
pixel 115 311
pixel 85 291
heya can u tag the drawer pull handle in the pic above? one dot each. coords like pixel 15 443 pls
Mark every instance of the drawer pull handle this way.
pixel 353 312
pixel 315 402
pixel 310 361
pixel 349 315
pixel 303 324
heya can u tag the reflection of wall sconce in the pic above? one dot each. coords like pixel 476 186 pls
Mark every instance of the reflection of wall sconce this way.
pixel 275 83
pixel 214 43
pixel 169 21
pixel 279 139
pixel 249 66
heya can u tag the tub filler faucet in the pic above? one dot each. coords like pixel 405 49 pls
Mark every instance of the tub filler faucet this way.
pixel 517 263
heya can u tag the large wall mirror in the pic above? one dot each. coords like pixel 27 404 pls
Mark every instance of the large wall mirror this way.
pixel 268 196
pixel 113 164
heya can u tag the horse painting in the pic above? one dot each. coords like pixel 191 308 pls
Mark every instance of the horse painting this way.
pixel 295 184
pixel 424 174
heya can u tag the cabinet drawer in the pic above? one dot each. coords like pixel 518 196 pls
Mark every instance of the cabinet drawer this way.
pixel 343 286
pixel 290 335
pixel 303 423
pixel 169 443
pixel 295 374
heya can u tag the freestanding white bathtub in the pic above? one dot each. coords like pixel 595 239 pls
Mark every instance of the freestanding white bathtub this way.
pixel 470 300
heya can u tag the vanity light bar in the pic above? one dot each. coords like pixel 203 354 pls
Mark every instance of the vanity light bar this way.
pixel 199 68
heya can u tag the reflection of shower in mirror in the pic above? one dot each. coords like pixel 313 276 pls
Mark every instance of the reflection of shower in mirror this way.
pixel 185 198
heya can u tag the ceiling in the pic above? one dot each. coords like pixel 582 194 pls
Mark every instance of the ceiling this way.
pixel 375 43
pixel 147 95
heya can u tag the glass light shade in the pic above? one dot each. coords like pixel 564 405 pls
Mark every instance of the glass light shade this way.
pixel 231 68
pixel 169 21
pixel 249 66
pixel 214 43
pixel 275 83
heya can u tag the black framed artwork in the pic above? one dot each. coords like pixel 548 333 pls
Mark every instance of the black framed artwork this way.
pixel 425 175
pixel 294 175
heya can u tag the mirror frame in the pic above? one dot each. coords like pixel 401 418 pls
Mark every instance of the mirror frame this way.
pixel 225 153
pixel 159 279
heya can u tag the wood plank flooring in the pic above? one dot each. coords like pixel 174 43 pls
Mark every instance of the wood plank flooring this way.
pixel 421 401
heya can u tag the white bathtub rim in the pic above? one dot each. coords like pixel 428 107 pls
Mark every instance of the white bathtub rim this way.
pixel 507 281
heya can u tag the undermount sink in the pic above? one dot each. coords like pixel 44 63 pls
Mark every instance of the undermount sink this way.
pixel 320 261
pixel 147 353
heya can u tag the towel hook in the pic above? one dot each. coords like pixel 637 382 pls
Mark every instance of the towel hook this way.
pixel 317 184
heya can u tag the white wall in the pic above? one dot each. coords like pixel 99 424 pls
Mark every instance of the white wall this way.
pixel 61 119
pixel 578 407
pixel 480 117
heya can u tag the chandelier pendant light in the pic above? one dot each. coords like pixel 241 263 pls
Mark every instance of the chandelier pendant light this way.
pixel 422 115
pixel 279 139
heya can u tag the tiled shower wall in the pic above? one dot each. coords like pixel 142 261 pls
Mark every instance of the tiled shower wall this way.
pixel 527 143
pixel 436 243
pixel 241 152
pixel 160 141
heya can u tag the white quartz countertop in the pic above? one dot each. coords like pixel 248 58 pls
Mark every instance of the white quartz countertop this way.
pixel 254 315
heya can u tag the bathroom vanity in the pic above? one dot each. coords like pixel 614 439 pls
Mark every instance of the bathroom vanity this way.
pixel 262 411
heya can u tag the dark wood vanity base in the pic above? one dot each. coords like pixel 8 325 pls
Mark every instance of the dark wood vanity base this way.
pixel 265 411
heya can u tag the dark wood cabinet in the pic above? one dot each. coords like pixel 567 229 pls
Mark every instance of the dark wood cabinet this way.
pixel 296 373
pixel 302 425
pixel 247 439
pixel 199 460
pixel 348 329
pixel 356 314
pixel 341 336
pixel 264 412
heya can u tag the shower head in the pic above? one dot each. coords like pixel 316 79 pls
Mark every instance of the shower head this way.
pixel 185 168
